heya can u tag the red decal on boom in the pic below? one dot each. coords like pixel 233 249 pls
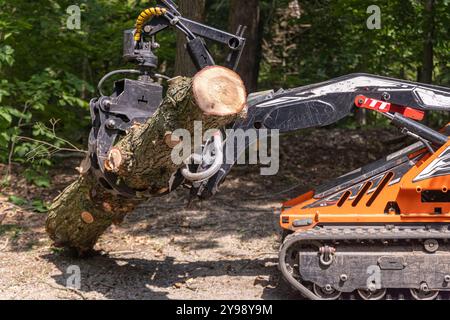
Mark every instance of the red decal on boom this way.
pixel 384 107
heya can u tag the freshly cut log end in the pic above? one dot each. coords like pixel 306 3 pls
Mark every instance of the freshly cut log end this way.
pixel 87 217
pixel 170 140
pixel 114 160
pixel 219 91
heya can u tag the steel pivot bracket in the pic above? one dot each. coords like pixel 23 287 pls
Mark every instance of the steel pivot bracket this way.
pixel 133 102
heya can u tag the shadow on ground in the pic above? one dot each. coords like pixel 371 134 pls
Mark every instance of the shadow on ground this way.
pixel 135 278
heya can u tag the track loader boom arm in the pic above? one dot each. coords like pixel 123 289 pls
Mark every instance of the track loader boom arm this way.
pixel 320 105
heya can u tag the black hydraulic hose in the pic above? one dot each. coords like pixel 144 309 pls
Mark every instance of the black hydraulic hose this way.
pixel 287 274
pixel 102 80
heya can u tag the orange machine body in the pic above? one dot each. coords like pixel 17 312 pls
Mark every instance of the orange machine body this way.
pixel 417 191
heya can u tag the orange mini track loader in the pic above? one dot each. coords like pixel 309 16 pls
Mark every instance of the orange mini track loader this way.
pixel 382 227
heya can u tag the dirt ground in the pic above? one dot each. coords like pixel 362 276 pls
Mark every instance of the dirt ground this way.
pixel 224 248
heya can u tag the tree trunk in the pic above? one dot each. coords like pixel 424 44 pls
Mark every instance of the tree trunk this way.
pixel 248 14
pixel 426 73
pixel 195 10
pixel 142 159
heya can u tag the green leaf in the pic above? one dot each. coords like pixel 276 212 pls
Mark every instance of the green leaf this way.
pixel 39 206
pixel 38 177
pixel 18 114
pixel 5 114
pixel 42 181
pixel 6 55
pixel 18 201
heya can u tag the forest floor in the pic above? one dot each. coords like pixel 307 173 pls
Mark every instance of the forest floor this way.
pixel 224 248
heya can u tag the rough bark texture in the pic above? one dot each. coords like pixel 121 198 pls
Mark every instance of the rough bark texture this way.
pixel 67 224
pixel 142 159
pixel 248 14
pixel 194 10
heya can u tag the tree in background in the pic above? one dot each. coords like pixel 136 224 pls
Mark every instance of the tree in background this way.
pixel 425 73
pixel 195 10
pixel 281 44
pixel 338 42
pixel 248 14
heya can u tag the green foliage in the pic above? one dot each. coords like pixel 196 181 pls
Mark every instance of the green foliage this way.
pixel 18 201
pixel 6 55
pixel 48 71
pixel 38 177
pixel 336 41
pixel 39 206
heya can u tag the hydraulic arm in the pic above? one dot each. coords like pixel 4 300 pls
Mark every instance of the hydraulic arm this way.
pixel 326 103
pixel 135 101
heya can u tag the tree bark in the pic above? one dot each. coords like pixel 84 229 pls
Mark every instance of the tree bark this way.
pixel 195 10
pixel 248 14
pixel 142 159
pixel 426 72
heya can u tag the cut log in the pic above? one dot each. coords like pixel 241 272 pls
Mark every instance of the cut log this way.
pixel 219 91
pixel 142 158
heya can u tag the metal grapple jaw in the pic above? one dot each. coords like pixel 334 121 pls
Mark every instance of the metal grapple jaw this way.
pixel 132 102
pixel 135 101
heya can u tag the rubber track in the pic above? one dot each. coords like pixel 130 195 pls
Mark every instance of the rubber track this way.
pixel 359 233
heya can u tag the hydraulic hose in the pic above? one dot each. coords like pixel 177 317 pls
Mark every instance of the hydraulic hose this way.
pixel 146 15
pixel 102 80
